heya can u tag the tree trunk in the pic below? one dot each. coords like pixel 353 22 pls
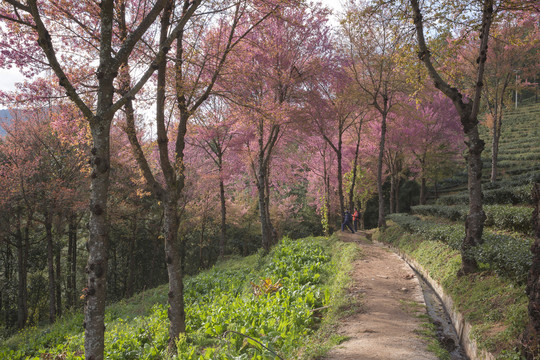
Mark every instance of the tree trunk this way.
pixel 70 289
pixel 474 223
pixel 468 112
pixel 174 260
pixel 355 165
pixel 423 191
pixel 58 282
pixel 381 221
pixel 50 267
pixel 72 250
pixel 201 242
pixel 265 227
pixel 396 194
pixel 497 124
pixel 223 235
pixel 96 268
pixel 532 332
pixel 22 270
pixel 392 194
pixel 131 261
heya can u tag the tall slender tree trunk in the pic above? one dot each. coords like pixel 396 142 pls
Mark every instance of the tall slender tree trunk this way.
pixel 201 242
pixel 340 176
pixel 58 280
pixel 72 260
pixel 223 234
pixel 423 190
pixel 381 220
pixel 50 267
pixel 98 242
pixel 265 227
pixel 497 124
pixel 173 258
pixel 22 271
pixel 392 194
pixel 70 289
pixel 396 194
pixel 532 332
pixel 474 223
pixel 355 165
pixel 131 259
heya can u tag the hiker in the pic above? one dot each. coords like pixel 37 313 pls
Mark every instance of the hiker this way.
pixel 347 221
pixel 356 219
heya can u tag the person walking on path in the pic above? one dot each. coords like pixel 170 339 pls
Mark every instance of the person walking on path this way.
pixel 347 221
pixel 356 219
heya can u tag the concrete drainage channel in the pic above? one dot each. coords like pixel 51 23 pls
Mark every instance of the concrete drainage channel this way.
pixel 446 332
pixel 454 332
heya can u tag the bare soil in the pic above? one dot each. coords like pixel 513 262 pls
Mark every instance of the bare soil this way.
pixel 386 324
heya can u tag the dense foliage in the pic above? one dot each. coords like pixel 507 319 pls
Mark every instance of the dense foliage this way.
pixel 257 308
pixel 507 255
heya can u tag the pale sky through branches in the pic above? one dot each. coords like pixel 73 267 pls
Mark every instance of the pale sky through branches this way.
pixel 8 77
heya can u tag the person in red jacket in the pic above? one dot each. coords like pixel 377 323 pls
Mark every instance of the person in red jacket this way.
pixel 356 219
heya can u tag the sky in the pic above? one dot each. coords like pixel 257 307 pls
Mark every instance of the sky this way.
pixel 8 77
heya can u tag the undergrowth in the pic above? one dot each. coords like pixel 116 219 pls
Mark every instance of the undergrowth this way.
pixel 259 307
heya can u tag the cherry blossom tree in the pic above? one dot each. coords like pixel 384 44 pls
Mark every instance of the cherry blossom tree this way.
pixel 54 23
pixel 268 75
pixel 374 43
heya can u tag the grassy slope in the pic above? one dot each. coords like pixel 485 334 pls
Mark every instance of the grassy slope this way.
pixel 313 273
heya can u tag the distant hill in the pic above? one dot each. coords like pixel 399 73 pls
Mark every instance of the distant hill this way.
pixel 5 117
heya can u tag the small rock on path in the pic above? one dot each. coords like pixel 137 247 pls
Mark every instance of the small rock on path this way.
pixel 384 327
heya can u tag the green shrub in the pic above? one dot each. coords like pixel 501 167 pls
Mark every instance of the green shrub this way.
pixel 506 255
pixel 503 217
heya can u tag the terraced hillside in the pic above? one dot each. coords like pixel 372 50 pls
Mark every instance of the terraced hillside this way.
pixel 518 160
pixel 507 203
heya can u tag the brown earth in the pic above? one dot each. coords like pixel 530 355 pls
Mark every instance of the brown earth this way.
pixel 386 324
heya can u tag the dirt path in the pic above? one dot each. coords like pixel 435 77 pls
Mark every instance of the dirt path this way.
pixel 385 326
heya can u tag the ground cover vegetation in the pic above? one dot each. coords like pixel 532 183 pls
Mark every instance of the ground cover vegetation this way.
pixel 260 306
pixel 182 132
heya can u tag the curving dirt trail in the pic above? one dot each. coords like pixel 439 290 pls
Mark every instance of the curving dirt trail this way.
pixel 386 325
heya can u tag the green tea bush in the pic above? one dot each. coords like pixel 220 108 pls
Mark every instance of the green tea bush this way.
pixel 503 217
pixel 503 195
pixel 506 255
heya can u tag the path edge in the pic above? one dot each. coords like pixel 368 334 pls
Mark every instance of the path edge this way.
pixel 463 327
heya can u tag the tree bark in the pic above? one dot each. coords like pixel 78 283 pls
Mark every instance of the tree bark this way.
pixel 50 267
pixel 96 268
pixel 355 165
pixel 58 281
pixel 72 262
pixel 22 271
pixel 131 261
pixel 223 235
pixel 381 220
pixel 532 332
pixel 174 260
pixel 423 190
pixel 266 238
pixel 497 125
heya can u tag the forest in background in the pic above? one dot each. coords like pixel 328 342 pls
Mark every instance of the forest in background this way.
pixel 214 129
